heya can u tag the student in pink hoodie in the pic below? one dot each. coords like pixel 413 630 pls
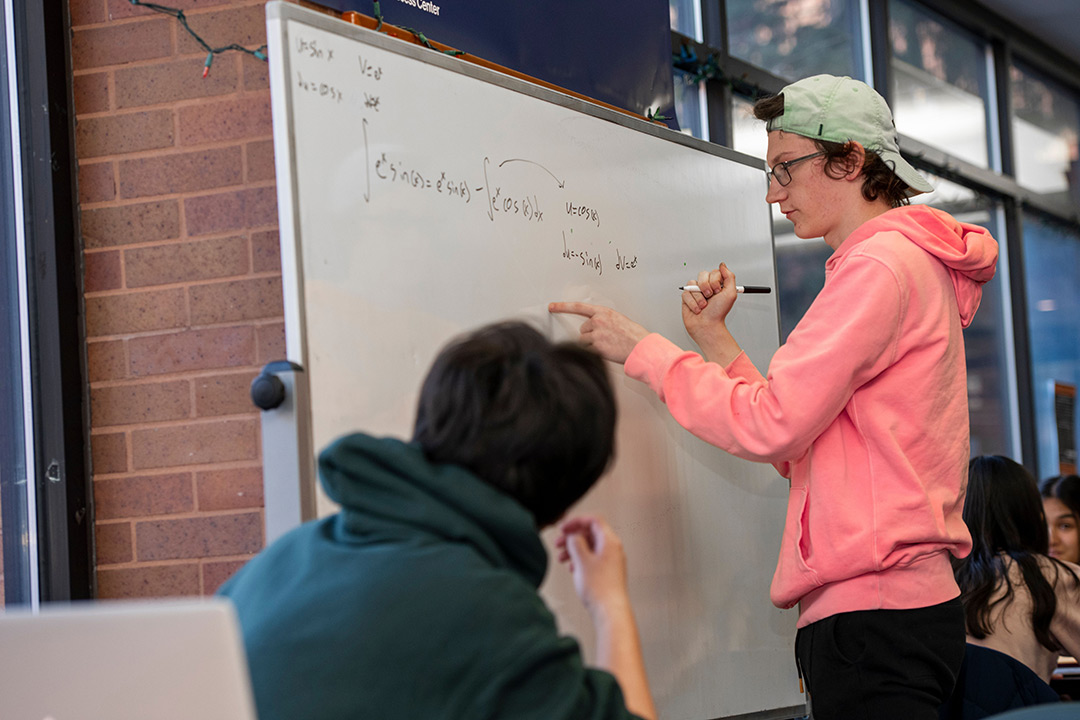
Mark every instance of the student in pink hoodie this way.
pixel 864 408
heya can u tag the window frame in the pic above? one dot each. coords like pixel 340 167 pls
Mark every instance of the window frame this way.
pixel 57 429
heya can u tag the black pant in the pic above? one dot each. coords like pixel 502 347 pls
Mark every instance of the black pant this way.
pixel 882 664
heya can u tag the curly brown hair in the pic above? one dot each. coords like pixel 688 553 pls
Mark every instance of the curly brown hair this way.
pixel 879 180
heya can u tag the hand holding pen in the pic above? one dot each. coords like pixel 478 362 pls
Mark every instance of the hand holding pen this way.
pixel 705 307
pixel 738 288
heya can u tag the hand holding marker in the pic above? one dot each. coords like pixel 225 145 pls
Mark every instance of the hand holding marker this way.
pixel 738 288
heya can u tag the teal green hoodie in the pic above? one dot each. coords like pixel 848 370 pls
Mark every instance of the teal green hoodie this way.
pixel 417 601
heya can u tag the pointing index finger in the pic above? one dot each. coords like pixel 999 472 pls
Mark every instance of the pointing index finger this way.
pixel 574 308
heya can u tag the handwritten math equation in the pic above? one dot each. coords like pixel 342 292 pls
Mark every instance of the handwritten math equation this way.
pixel 310 49
pixel 512 190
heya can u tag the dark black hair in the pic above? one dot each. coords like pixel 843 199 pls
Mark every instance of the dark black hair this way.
pixel 1065 488
pixel 533 418
pixel 879 180
pixel 1004 513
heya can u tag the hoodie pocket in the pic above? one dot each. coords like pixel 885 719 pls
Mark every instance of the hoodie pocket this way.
pixel 794 577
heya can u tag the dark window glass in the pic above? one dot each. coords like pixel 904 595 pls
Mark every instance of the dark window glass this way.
pixel 690 106
pixel 1045 124
pixel 1051 264
pixel 686 17
pixel 940 71
pixel 797 38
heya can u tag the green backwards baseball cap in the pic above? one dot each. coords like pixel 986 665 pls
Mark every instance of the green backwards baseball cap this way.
pixel 839 109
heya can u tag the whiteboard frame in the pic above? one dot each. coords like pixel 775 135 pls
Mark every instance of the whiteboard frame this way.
pixel 283 464
pixel 280 11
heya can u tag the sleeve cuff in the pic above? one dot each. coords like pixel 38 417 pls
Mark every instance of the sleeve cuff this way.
pixel 650 360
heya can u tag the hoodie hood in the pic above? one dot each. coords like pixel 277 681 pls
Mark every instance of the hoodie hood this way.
pixel 389 491
pixel 968 251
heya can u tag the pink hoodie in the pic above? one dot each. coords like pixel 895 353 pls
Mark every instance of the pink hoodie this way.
pixel 864 410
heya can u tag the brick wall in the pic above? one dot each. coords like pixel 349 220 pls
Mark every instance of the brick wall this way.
pixel 183 287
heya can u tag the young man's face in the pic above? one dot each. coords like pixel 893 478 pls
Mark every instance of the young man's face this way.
pixel 811 199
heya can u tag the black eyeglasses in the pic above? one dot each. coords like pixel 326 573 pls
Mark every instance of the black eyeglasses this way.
pixel 782 171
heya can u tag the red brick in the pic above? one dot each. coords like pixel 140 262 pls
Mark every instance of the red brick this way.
pixel 254 299
pixel 121 43
pixel 91 92
pixel 130 132
pixel 271 339
pixel 222 212
pixel 216 573
pixel 237 489
pixel 148 582
pixel 108 453
pixel 101 271
pixel 171 82
pixel 181 172
pixel 196 444
pixel 135 312
pixel 123 8
pixel 260 160
pixel 224 394
pixel 202 537
pixel 140 403
pixel 242 25
pixel 256 73
pixel 96 183
pixel 106 360
pixel 183 262
pixel 232 119
pixel 113 544
pixel 143 496
pixel 212 348
pixel 132 223
pixel 86 12
pixel 266 251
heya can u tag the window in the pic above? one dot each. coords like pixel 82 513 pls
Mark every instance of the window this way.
pixel 686 17
pixel 1051 264
pixel 1045 123
pixel 747 132
pixel 797 38
pixel 17 584
pixel 690 106
pixel 940 71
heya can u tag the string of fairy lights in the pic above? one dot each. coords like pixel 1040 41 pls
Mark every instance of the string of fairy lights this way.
pixel 210 51
pixel 698 71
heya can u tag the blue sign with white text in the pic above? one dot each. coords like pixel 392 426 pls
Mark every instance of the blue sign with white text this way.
pixel 615 52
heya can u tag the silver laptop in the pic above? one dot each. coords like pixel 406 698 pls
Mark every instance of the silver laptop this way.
pixel 125 660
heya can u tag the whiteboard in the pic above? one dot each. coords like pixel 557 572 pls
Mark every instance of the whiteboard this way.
pixel 421 196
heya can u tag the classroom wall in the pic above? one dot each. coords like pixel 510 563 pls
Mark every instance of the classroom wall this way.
pixel 182 280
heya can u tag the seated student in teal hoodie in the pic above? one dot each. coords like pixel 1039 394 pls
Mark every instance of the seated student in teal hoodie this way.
pixel 419 599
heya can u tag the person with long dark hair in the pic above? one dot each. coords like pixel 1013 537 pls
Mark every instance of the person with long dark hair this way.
pixel 1061 502
pixel 1021 606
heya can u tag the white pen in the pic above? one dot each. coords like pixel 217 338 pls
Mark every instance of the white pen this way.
pixel 738 288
